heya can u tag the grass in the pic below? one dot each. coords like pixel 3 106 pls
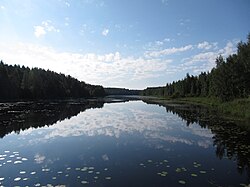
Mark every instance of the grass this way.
pixel 236 109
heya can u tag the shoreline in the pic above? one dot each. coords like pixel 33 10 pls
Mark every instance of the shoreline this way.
pixel 236 110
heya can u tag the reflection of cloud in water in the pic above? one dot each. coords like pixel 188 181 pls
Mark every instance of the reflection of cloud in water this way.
pixel 111 121
pixel 39 159
pixel 120 118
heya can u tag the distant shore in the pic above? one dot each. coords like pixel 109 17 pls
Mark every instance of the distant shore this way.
pixel 238 109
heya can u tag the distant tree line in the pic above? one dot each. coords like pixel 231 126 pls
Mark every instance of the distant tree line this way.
pixel 121 91
pixel 230 79
pixel 24 83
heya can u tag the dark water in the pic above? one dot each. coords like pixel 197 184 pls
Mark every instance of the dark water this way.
pixel 92 143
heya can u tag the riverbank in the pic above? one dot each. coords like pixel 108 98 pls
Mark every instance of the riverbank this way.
pixel 238 109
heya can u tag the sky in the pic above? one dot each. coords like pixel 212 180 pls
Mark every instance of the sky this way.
pixel 122 43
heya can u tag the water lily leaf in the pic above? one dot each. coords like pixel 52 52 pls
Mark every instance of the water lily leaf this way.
pixel 193 175
pixel 108 178
pixel 17 179
pixel 84 182
pixel 182 182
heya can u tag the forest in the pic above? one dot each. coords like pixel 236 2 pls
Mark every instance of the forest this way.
pixel 121 91
pixel 24 83
pixel 230 79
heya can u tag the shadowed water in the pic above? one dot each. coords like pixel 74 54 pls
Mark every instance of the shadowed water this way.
pixel 94 143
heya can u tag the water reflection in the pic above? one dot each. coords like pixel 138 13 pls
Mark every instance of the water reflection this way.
pixel 178 127
pixel 231 140
pixel 21 116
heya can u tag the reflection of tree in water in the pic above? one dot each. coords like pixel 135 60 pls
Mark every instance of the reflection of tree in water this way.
pixel 231 141
pixel 24 115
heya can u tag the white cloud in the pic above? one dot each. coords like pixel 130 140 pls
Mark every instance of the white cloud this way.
pixel 2 7
pixel 45 27
pixel 205 61
pixel 204 45
pixel 105 32
pixel 39 159
pixel 165 2
pixel 92 68
pixel 39 31
pixel 67 4
pixel 168 51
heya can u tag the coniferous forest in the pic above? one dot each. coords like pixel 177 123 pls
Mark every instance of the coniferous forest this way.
pixel 24 83
pixel 230 79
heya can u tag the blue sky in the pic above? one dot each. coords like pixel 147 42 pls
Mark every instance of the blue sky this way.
pixel 122 43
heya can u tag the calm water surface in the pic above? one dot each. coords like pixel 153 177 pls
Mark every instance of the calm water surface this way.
pixel 118 144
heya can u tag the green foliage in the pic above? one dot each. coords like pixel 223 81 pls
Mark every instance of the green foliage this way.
pixel 23 83
pixel 230 79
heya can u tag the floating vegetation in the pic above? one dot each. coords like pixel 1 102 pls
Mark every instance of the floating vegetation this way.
pixel 17 179
pixel 45 169
pixel 84 182
pixel 38 184
pixel 84 169
pixel 178 170
pixel 1 178
pixel 105 169
pixel 163 174
pixel 22 172
pixel 203 172
pixel 95 177
pixel 108 178
pixel 98 173
pixel 54 178
pixel 182 182
pixel 33 173
pixel 18 162
pixel 150 161
pixel 25 179
pixel 91 168
pixel 90 171
pixel 194 175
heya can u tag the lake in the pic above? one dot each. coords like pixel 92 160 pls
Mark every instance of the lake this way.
pixel 119 142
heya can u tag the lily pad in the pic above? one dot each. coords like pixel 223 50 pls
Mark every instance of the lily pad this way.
pixel 17 179
pixel 182 182
pixel 84 182
pixel 18 162
pixel 194 175
pixel 203 172
pixel 108 178
pixel 178 170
